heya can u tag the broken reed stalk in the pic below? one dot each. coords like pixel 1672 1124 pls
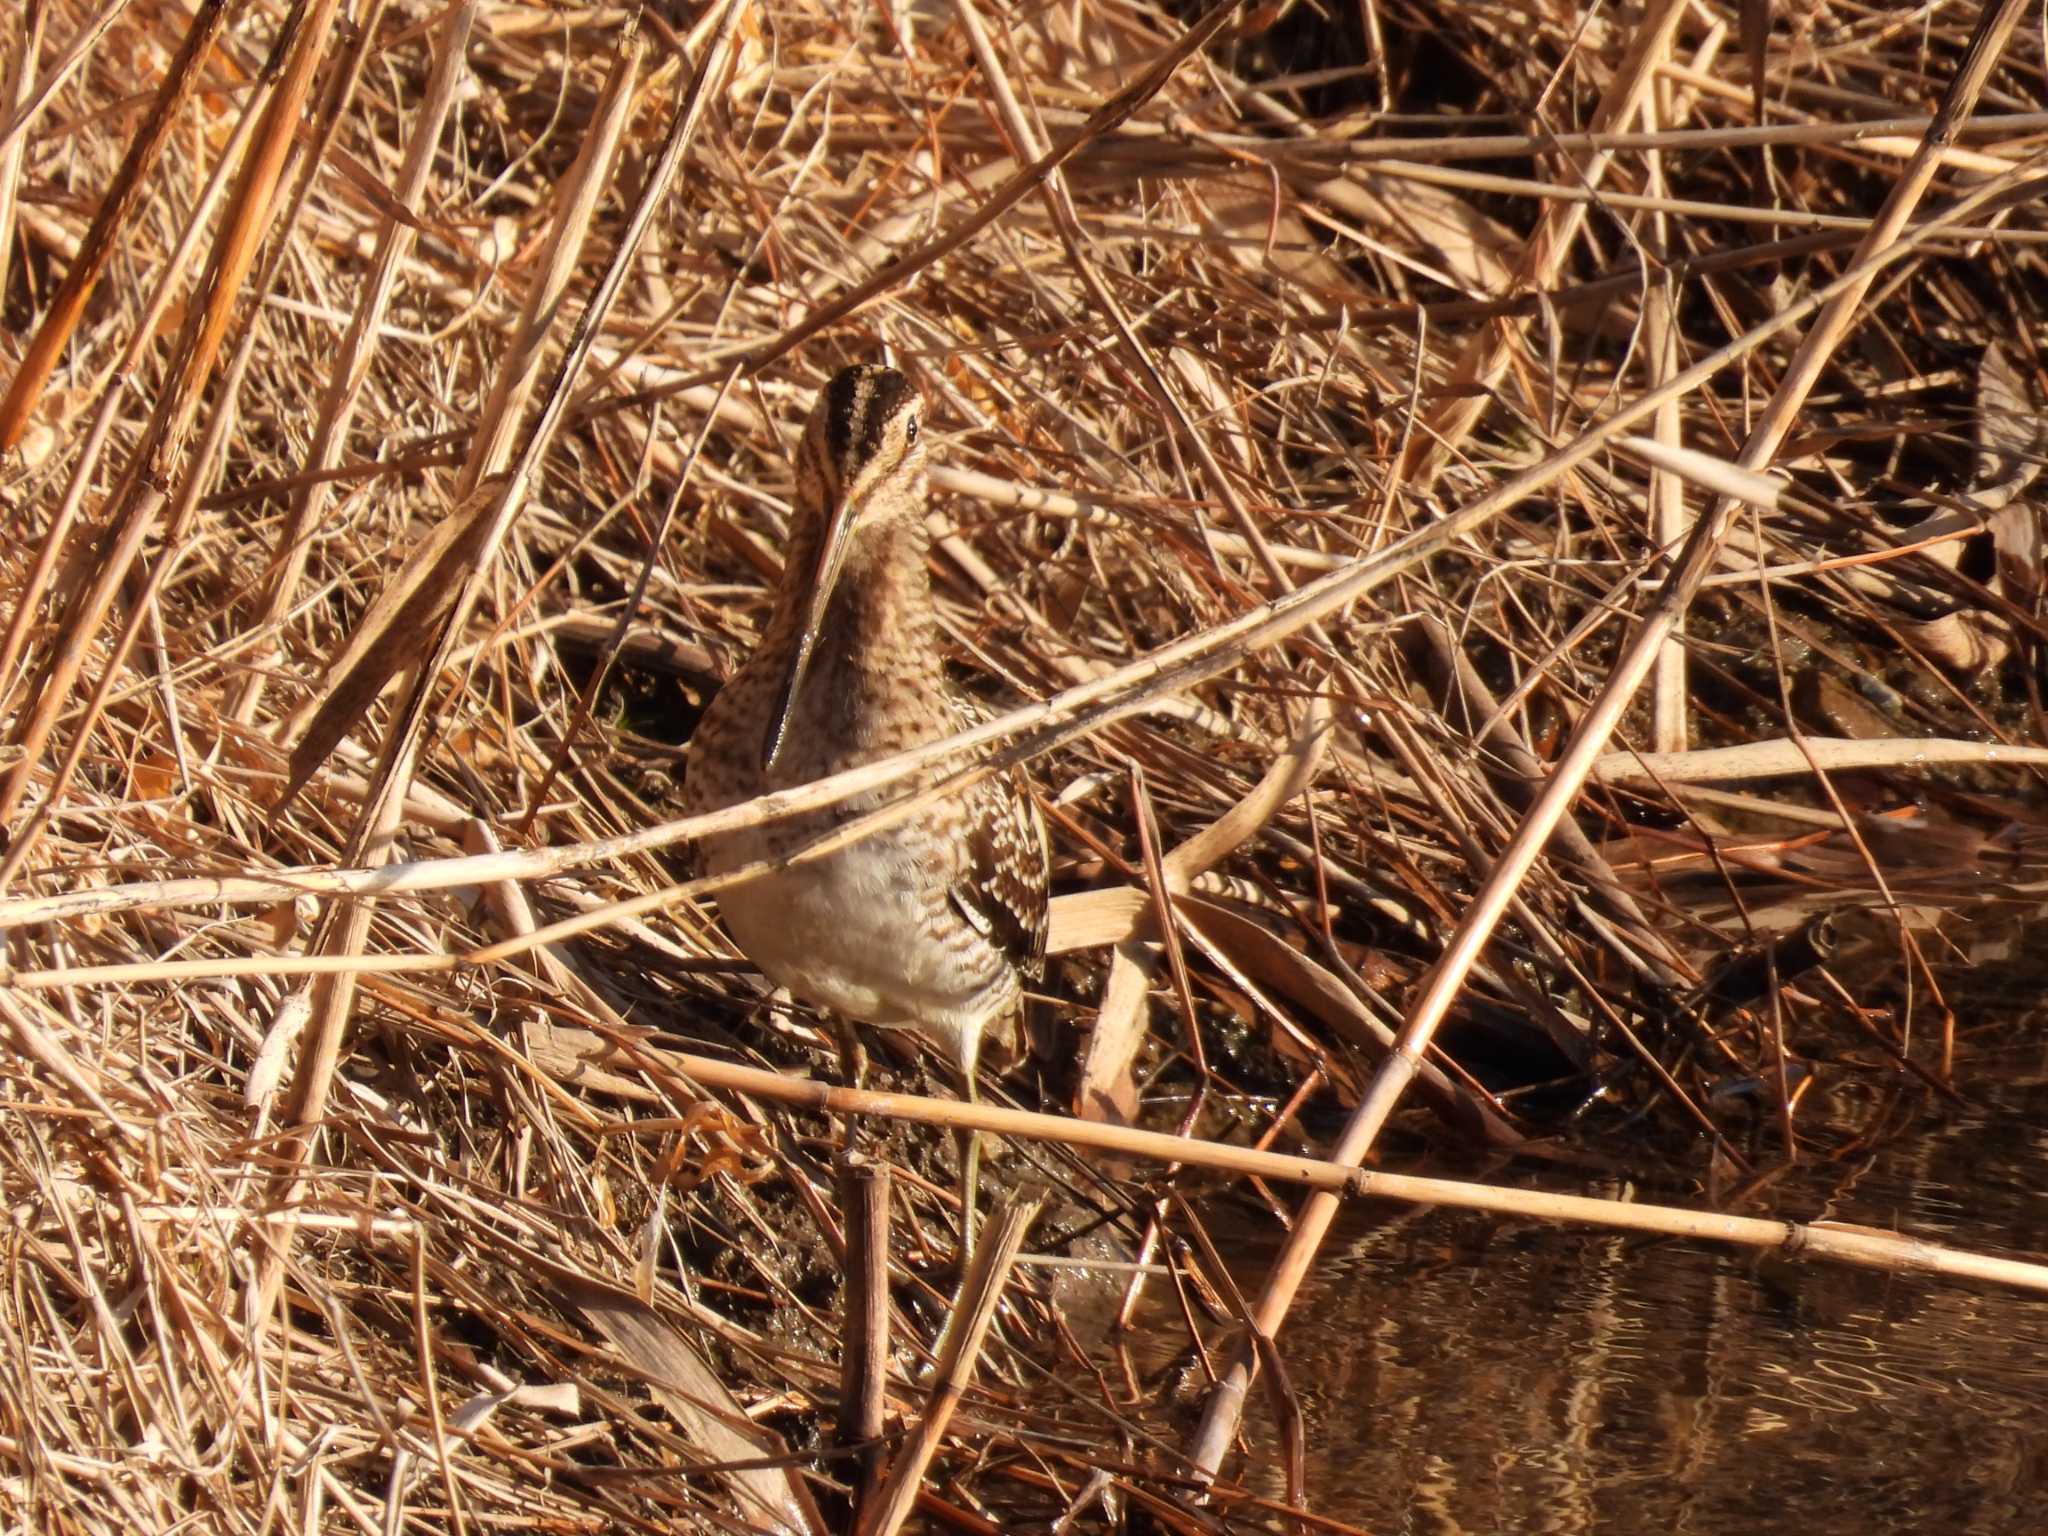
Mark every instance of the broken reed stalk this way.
pixel 28 51
pixel 1516 771
pixel 1859 1246
pixel 1492 349
pixel 1225 1407
pixel 864 1315
pixel 57 538
pixel 359 347
pixel 345 929
pixel 483 499
pixel 115 210
pixel 261 208
pixel 981 1292
pixel 160 454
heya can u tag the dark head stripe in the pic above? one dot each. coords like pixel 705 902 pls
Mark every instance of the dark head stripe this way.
pixel 858 403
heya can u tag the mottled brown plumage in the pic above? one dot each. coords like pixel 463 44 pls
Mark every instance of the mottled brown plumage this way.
pixel 936 923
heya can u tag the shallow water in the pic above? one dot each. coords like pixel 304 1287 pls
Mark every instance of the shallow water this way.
pixel 1456 1372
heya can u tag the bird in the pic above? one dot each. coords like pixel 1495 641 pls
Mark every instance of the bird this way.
pixel 937 923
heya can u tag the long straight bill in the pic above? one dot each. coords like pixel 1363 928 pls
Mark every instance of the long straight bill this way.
pixel 824 575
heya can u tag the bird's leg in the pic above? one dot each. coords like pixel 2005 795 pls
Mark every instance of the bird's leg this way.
pixel 970 1176
pixel 853 1056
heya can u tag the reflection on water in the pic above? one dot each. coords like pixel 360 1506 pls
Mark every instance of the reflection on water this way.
pixel 1458 1373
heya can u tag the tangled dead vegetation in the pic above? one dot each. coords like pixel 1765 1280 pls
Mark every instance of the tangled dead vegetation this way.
pixel 1338 418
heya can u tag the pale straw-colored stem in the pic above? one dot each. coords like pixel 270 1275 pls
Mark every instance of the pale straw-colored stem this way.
pixel 1446 981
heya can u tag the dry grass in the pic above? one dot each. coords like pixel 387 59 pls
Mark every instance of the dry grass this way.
pixel 1291 448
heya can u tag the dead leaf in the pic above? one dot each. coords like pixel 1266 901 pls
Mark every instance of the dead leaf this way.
pixel 708 1416
pixel 1270 960
pixel 399 627
pixel 2010 441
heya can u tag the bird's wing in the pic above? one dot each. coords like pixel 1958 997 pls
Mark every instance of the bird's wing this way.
pixel 1003 888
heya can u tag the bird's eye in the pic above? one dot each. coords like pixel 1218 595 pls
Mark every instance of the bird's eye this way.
pixel 910 432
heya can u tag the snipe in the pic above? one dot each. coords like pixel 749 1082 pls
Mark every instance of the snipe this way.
pixel 934 924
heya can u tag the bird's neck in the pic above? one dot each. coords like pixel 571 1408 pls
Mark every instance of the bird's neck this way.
pixel 881 612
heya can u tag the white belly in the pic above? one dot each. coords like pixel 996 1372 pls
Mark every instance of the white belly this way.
pixel 863 933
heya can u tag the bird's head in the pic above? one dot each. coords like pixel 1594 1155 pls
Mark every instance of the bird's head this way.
pixel 859 468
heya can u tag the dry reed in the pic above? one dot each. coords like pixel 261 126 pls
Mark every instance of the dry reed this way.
pixel 1395 475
